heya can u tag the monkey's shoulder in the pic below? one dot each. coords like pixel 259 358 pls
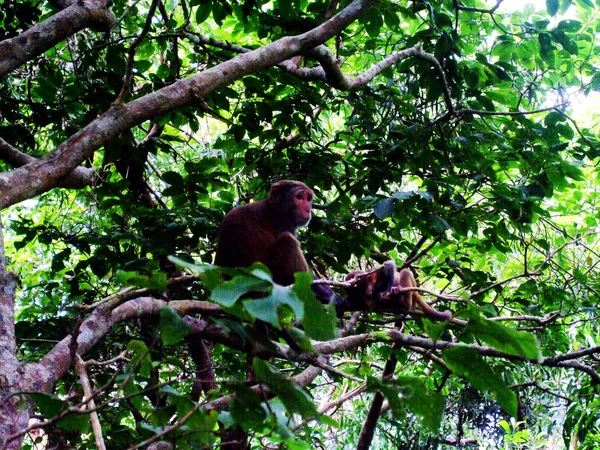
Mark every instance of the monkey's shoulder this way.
pixel 249 216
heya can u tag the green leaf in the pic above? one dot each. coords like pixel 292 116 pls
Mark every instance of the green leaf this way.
pixel 141 360
pixel 565 5
pixel 173 178
pixel 268 309
pixel 49 404
pixel 546 48
pixel 203 12
pixel 467 363
pixel 300 338
pixel 411 393
pixel 565 41
pixel 245 408
pixel 553 117
pixel 295 399
pixel 156 281
pixel 228 293
pixel 374 24
pixel 319 323
pixel 196 268
pixel 171 327
pixel 508 340
pixel 264 309
pixel 569 26
pixel 552 7
pixel 75 422
pixel 384 208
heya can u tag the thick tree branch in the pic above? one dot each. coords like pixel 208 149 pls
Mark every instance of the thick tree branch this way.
pixel 43 375
pixel 8 347
pixel 80 177
pixel 77 16
pixel 44 174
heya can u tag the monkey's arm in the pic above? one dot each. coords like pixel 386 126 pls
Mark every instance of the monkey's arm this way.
pixel 412 298
pixel 284 258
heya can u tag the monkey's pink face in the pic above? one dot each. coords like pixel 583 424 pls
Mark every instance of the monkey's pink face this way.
pixel 303 199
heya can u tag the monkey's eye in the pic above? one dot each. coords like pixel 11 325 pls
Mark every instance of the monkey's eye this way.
pixel 304 196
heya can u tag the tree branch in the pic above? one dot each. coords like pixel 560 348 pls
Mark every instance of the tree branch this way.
pixel 43 36
pixel 79 178
pixel 44 174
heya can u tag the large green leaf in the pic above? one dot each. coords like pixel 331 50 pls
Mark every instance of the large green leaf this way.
pixel 467 363
pixel 268 309
pixel 505 339
pixel 319 323
pixel 294 398
pixel 228 293
pixel 412 393
pixel 171 326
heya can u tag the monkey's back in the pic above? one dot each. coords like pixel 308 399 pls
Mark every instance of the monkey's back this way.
pixel 243 236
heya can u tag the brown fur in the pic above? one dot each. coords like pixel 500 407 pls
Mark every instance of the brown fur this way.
pixel 410 299
pixel 384 285
pixel 265 231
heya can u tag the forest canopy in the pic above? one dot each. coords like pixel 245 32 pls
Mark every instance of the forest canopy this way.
pixel 457 138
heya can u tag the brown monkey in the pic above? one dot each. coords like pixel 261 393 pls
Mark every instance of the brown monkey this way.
pixel 265 231
pixel 384 285
pixel 369 285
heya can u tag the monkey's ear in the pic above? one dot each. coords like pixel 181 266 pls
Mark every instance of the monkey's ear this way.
pixel 278 190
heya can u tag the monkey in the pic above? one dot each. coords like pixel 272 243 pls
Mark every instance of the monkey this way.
pixel 385 285
pixel 265 231
pixel 369 285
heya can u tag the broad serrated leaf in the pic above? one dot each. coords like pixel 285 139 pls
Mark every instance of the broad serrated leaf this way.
pixel 228 293
pixel 267 309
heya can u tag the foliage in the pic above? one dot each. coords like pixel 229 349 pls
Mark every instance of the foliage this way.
pixel 483 180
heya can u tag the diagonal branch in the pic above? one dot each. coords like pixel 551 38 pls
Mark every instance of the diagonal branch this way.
pixel 75 17
pixel 80 177
pixel 43 174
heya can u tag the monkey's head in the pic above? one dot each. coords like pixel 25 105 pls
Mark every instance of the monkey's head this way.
pixel 293 199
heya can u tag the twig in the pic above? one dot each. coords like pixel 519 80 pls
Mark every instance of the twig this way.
pixel 89 396
pixel 127 79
